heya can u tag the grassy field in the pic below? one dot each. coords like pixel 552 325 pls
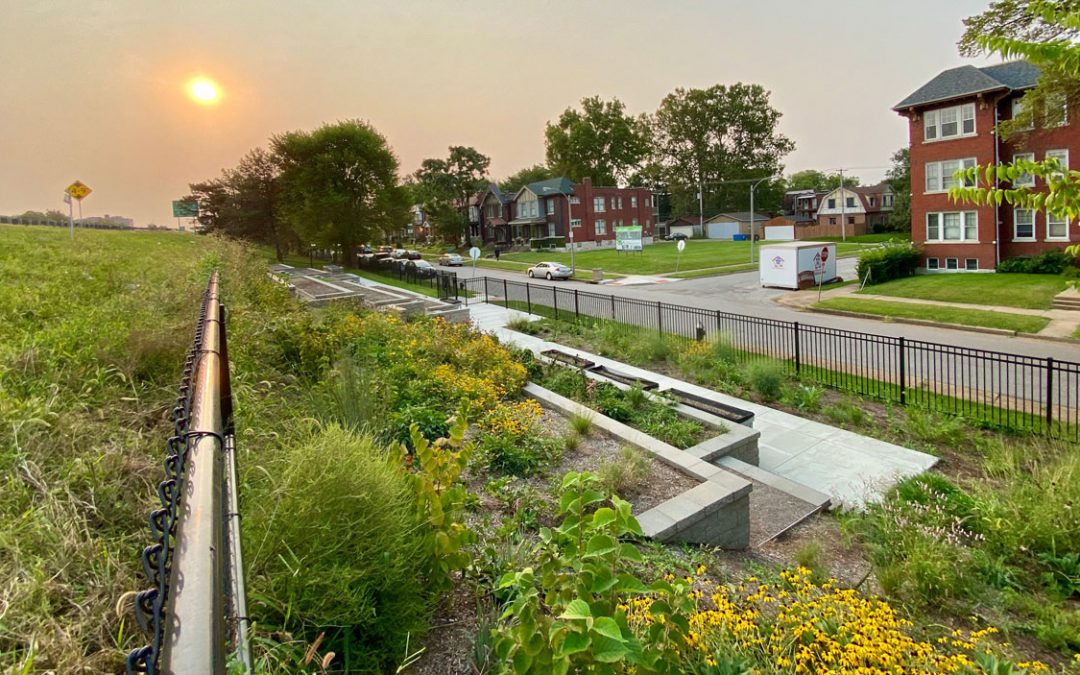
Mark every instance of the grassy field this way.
pixel 660 258
pixel 967 317
pixel 1029 291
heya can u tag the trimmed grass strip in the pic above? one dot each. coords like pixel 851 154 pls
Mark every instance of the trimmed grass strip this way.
pixel 1021 323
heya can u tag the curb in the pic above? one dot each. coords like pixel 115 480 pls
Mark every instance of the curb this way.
pixel 920 322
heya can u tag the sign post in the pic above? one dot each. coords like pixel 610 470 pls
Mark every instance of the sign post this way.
pixel 77 191
pixel 474 253
pixel 678 253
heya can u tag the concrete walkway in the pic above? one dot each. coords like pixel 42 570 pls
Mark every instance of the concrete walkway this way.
pixel 852 469
pixel 1063 322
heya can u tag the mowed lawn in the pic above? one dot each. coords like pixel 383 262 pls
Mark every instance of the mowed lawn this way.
pixel 660 258
pixel 1022 323
pixel 1030 291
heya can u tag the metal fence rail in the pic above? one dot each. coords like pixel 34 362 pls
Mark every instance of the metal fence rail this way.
pixel 195 610
pixel 1041 395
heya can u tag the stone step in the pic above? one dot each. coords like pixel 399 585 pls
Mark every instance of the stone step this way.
pixel 818 500
pixel 1073 305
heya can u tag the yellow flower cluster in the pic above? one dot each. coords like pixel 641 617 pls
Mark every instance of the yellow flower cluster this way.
pixel 802 627
pixel 514 419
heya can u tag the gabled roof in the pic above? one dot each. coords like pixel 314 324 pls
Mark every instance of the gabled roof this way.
pixel 740 216
pixel 969 80
pixel 493 189
pixel 560 185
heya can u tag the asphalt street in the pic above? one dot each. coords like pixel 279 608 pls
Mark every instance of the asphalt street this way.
pixel 741 293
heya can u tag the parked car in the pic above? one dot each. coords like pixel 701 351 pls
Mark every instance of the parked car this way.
pixel 421 268
pixel 451 260
pixel 366 250
pixel 385 249
pixel 550 270
pixel 413 255
pixel 677 236
pixel 398 253
pixel 390 262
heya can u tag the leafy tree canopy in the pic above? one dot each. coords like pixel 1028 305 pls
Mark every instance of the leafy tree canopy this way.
pixel 899 179
pixel 530 174
pixel 444 187
pixel 600 141
pixel 812 179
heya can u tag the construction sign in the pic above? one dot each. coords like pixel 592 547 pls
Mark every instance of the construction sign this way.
pixel 78 190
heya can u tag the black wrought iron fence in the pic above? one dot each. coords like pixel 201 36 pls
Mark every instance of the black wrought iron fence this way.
pixel 442 281
pixel 1010 390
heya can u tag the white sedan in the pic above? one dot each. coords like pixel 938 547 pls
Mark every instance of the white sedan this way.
pixel 550 270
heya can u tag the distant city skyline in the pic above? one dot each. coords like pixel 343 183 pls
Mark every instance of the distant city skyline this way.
pixel 97 91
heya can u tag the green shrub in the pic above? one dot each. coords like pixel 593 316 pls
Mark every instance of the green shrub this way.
pixel 519 455
pixel 524 325
pixel 625 472
pixel 333 540
pixel 356 401
pixel 891 260
pixel 1048 262
pixel 767 379
pixel 804 397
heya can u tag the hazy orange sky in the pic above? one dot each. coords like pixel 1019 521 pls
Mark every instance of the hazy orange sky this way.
pixel 94 90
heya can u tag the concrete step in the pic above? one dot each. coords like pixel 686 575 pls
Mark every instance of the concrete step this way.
pixel 819 500
pixel 1073 305
pixel 777 504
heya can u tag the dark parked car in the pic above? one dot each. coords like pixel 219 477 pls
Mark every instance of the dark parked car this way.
pixel 677 236
pixel 413 255
pixel 420 268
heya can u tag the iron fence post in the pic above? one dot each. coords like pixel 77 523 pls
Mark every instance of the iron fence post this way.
pixel 1049 395
pixel 577 308
pixel 528 296
pixel 487 293
pixel 506 295
pixel 659 318
pixel 612 307
pixel 555 300
pixel 798 359
pixel 903 373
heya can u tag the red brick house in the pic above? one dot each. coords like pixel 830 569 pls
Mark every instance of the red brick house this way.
pixel 540 211
pixel 951 121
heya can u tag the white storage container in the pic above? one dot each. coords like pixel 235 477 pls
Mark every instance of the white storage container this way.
pixel 797 264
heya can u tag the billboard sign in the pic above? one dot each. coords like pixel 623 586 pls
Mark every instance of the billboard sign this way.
pixel 185 208
pixel 628 238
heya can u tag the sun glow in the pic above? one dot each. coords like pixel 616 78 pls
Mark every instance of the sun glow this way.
pixel 204 90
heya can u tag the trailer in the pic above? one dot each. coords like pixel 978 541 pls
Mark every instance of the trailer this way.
pixel 797 264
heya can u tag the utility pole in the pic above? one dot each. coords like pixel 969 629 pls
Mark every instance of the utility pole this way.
pixel 843 211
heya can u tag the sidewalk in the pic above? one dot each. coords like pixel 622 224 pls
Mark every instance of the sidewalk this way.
pixel 851 468
pixel 1062 324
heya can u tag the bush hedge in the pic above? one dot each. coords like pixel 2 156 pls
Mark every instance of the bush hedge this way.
pixel 1050 262
pixel 892 260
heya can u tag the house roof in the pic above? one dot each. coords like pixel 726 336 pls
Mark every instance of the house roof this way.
pixel 493 189
pixel 560 185
pixel 741 216
pixel 969 80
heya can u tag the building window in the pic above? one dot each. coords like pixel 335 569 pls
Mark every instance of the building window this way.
pixel 971 264
pixel 633 201
pixel 949 122
pixel 647 223
pixel 952 264
pixel 575 222
pixel 1062 156
pixel 939 175
pixel 850 202
pixel 1023 225
pixel 551 206
pixel 1057 110
pixel 932 263
pixel 1018 113
pixel 1057 226
pixel 620 202
pixel 598 204
pixel 873 201
pixel 832 203
pixel 1024 179
pixel 952 226
pixel 887 201
pixel 851 220
pixel 633 223
pixel 832 221
pixel 613 207
pixel 575 200
pixel 601 227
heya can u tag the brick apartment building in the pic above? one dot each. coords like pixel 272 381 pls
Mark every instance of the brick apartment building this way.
pixel 539 211
pixel 951 121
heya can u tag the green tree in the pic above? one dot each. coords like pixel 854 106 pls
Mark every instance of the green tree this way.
pixel 444 187
pixel 600 141
pixel 716 136
pixel 242 203
pixel 812 179
pixel 1043 33
pixel 899 180
pixel 530 174
pixel 339 185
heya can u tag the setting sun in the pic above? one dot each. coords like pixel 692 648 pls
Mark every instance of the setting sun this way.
pixel 204 90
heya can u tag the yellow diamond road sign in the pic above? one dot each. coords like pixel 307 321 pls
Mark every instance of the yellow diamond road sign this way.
pixel 78 190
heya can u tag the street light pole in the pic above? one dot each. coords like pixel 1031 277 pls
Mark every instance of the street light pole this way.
pixel 701 203
pixel 570 232
pixel 753 186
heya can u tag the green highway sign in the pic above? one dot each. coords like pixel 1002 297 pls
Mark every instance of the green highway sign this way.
pixel 185 208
